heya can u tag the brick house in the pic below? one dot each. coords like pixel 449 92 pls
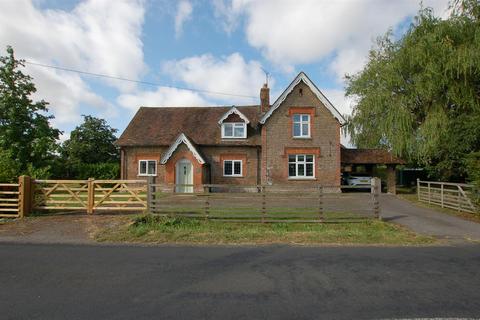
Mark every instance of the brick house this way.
pixel 295 140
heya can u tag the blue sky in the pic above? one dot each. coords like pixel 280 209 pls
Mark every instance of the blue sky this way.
pixel 216 45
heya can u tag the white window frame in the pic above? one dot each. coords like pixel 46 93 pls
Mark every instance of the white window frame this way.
pixel 234 124
pixel 301 123
pixel 233 168
pixel 147 174
pixel 304 162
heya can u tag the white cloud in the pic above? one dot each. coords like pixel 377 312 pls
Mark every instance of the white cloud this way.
pixel 227 74
pixel 162 97
pixel 96 36
pixel 293 32
pixel 184 13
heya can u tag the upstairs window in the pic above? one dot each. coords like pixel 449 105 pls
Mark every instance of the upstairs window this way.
pixel 301 166
pixel 232 168
pixel 147 168
pixel 234 130
pixel 301 126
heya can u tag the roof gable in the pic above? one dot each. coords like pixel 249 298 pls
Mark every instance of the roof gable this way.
pixel 232 111
pixel 303 77
pixel 182 138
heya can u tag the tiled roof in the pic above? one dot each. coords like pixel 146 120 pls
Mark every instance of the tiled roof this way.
pixel 161 126
pixel 368 156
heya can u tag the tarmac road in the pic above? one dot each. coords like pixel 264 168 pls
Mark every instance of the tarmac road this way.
pixel 52 281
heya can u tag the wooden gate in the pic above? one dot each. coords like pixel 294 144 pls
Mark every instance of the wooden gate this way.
pixel 60 195
pixel 119 195
pixel 90 195
pixel 447 195
pixel 9 200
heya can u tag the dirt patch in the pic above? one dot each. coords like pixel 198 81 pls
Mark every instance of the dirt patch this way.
pixel 60 228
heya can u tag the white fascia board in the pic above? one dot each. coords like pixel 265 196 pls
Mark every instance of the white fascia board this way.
pixel 236 111
pixel 182 138
pixel 303 77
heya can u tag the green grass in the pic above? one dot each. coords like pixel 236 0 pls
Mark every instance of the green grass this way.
pixel 156 229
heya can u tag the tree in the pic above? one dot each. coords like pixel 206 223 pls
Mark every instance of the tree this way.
pixel 419 96
pixel 25 132
pixel 91 142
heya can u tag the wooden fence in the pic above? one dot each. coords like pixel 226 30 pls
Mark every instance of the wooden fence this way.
pixel 9 200
pixel 447 195
pixel 258 203
pixel 262 203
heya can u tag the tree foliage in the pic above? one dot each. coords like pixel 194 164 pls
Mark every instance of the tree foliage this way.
pixel 91 142
pixel 419 96
pixel 25 132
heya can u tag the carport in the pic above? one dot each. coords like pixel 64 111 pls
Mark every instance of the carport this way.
pixel 352 159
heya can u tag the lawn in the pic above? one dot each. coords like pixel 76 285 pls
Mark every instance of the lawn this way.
pixel 157 229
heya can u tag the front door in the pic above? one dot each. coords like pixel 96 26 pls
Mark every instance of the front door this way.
pixel 184 176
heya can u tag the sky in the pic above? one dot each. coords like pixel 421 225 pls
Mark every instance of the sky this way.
pixel 220 49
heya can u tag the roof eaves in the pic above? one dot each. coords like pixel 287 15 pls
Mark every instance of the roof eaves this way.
pixel 182 138
pixel 231 111
pixel 303 77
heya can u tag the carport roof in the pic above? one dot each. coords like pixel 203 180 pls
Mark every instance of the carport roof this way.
pixel 368 156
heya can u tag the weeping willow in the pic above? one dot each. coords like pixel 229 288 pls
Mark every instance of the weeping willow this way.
pixel 419 96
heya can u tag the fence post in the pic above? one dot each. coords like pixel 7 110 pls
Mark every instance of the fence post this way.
pixel 264 203
pixel 429 193
pixel 150 193
pixel 206 190
pixel 441 194
pixel 24 196
pixel 376 201
pixel 418 189
pixel 320 203
pixel 91 195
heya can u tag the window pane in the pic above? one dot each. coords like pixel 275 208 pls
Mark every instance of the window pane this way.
pixel 227 168
pixel 309 169
pixel 143 167
pixel 291 158
pixel 300 157
pixel 237 169
pixel 291 170
pixel 301 169
pixel 309 158
pixel 296 129
pixel 239 130
pixel 305 117
pixel 296 118
pixel 151 167
pixel 305 129
pixel 227 129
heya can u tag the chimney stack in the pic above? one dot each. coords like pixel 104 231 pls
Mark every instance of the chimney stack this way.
pixel 264 98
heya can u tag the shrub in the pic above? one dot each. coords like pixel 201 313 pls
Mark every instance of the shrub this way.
pixel 105 171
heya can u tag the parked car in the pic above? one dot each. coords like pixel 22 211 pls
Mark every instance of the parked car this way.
pixel 358 180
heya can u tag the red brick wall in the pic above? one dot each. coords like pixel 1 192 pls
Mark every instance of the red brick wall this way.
pixel 212 172
pixel 324 141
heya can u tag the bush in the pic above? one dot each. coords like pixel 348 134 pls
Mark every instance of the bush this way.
pixel 9 168
pixel 96 170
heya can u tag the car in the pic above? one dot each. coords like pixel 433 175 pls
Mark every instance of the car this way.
pixel 358 180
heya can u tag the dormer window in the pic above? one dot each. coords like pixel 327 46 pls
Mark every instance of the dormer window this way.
pixel 234 124
pixel 234 130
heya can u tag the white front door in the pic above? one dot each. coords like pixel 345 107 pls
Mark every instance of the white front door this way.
pixel 184 176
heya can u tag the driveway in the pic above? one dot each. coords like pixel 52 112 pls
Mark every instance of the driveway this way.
pixel 266 282
pixel 428 221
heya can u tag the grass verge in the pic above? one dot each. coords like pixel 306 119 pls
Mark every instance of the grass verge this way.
pixel 156 229
pixel 475 217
